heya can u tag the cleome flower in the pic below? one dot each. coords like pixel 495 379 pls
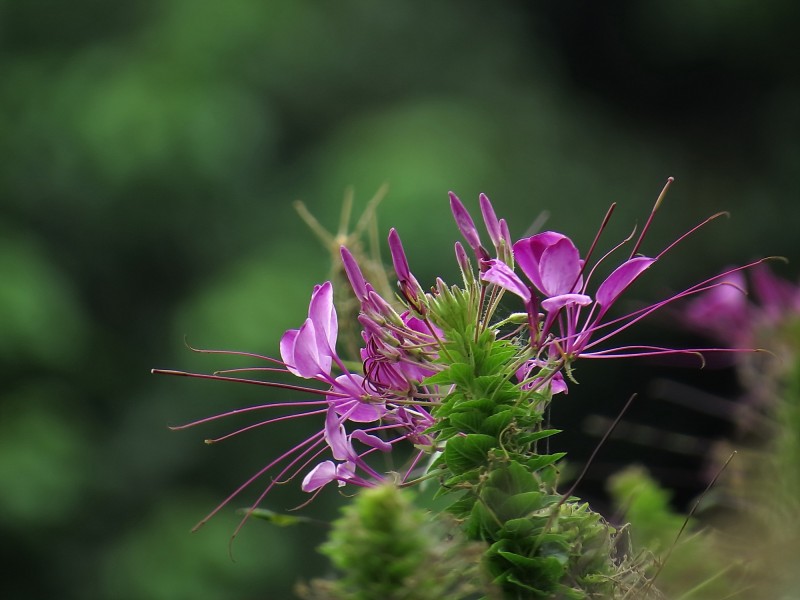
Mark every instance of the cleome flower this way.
pixel 413 357
pixel 574 323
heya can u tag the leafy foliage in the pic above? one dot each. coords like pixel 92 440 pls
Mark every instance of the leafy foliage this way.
pixel 540 544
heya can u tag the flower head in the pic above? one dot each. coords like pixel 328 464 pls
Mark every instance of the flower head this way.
pixel 433 363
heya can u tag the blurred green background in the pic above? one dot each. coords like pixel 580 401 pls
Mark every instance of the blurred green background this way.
pixel 150 154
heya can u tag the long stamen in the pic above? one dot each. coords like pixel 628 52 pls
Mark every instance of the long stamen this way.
pixel 640 314
pixel 272 384
pixel 691 231
pixel 248 409
pixel 263 494
pixel 603 225
pixel 232 353
pixel 315 439
pixel 262 423
pixel 659 200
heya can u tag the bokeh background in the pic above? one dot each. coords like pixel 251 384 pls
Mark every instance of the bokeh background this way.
pixel 151 150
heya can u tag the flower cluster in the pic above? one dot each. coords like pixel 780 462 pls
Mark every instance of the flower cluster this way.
pixel 395 394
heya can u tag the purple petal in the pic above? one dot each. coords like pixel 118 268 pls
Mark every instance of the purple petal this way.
pixel 506 234
pixel 558 385
pixel 619 280
pixel 420 326
pixel 557 302
pixel 528 252
pixel 308 360
pixel 560 268
pixel 499 273
pixel 322 311
pixel 371 440
pixel 336 437
pixel 287 350
pixel 490 218
pixel 321 475
pixel 461 258
pixel 352 404
pixel 354 274
pixel 465 223
pixel 345 472
pixel 399 259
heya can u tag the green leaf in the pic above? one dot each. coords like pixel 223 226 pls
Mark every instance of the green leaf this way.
pixel 495 424
pixel 542 460
pixel 518 528
pixel 468 422
pixel 520 505
pixel 535 436
pixel 464 453
pixel 514 478
pixel 483 405
pixel 547 568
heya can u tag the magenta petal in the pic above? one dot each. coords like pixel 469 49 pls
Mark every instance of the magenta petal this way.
pixel 287 350
pixel 560 268
pixel 354 274
pixel 321 475
pixel 308 360
pixel 322 311
pixel 490 218
pixel 557 302
pixel 465 223
pixel 352 405
pixel 505 232
pixel 399 259
pixel 336 437
pixel 558 385
pixel 345 472
pixel 371 440
pixel 528 252
pixel 500 274
pixel 619 280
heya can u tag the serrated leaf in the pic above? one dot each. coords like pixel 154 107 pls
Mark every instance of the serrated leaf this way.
pixel 520 505
pixel 468 422
pixel 455 372
pixel 496 423
pixel 542 460
pixel 465 453
pixel 535 436
pixel 462 507
pixel 514 478
pixel 482 405
pixel 481 523
pixel 518 528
